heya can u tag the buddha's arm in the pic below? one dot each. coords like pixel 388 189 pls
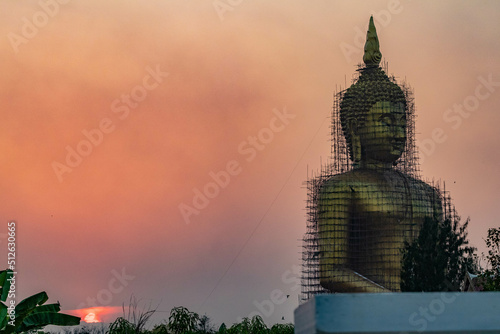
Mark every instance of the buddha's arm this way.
pixel 334 210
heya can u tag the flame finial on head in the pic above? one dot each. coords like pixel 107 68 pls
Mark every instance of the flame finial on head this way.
pixel 372 86
pixel 372 54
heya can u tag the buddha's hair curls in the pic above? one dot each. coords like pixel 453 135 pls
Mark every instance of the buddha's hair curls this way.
pixel 372 86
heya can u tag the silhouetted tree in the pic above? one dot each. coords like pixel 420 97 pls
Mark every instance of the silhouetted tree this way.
pixel 439 258
pixel 282 329
pixel 240 328
pixel 182 321
pixel 204 325
pixel 249 326
pixel 491 276
pixel 160 329
pixel 222 329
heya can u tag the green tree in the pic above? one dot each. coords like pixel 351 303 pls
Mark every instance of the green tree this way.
pixel 243 327
pixel 255 325
pixel 258 326
pixel 134 320
pixel 439 258
pixel 282 329
pixel 491 276
pixel 204 325
pixel 121 326
pixel 160 329
pixel 222 329
pixel 182 321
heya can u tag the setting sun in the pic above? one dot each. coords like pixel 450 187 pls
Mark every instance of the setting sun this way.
pixel 90 318
pixel 98 313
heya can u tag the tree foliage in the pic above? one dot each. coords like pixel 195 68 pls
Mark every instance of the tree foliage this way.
pixel 282 329
pixel 183 321
pixel 491 276
pixel 205 325
pixel 31 313
pixel 134 320
pixel 439 258
pixel 122 326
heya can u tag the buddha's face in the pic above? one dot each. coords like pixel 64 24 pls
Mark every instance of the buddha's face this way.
pixel 383 134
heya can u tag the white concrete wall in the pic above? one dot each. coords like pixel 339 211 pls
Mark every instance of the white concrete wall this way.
pixel 435 312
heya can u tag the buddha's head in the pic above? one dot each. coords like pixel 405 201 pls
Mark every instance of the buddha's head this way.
pixel 373 111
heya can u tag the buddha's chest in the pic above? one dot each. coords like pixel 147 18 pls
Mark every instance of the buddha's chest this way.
pixel 394 198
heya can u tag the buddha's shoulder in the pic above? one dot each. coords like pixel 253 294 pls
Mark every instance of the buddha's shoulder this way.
pixel 423 186
pixel 347 181
pixel 366 179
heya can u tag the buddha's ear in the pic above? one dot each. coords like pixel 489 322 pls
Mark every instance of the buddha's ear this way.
pixel 355 141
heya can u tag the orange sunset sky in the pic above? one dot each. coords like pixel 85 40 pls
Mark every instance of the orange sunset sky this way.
pixel 177 90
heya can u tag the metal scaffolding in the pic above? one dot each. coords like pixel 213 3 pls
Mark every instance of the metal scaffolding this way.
pixel 358 218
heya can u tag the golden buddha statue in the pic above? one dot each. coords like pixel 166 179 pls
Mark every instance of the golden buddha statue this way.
pixel 365 215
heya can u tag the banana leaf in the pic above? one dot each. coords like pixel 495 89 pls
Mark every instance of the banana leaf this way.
pixel 3 315
pixel 27 305
pixel 4 283
pixel 41 319
pixel 47 308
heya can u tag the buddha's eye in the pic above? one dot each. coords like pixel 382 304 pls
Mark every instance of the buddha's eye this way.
pixel 402 121
pixel 387 120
